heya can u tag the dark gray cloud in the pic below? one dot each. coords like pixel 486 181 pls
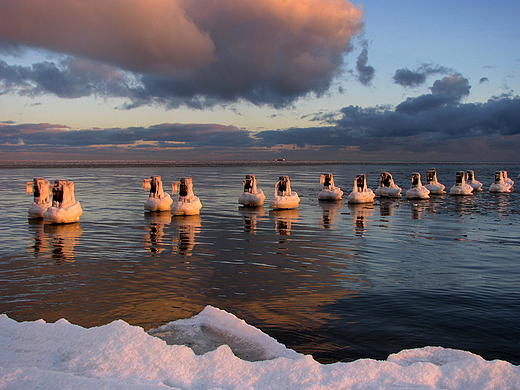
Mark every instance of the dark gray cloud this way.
pixel 70 78
pixel 10 48
pixel 448 91
pixel 496 116
pixel 414 78
pixel 426 123
pixel 173 135
pixel 73 77
pixel 435 125
pixel 483 80
pixel 454 87
pixel 12 77
pixel 365 72
pixel 408 78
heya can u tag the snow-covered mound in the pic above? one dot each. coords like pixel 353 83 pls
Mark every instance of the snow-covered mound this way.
pixel 40 355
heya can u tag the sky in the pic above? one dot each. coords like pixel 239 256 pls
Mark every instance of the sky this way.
pixel 202 80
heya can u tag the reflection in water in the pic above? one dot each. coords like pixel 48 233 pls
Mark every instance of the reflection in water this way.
pixel 58 240
pixel 417 210
pixel 386 207
pixel 360 213
pixel 329 209
pixel 252 215
pixel 157 221
pixel 428 206
pixel 188 227
pixel 464 204
pixel 283 220
pixel 502 203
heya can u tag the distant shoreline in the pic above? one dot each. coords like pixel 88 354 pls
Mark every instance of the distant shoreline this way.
pixel 126 164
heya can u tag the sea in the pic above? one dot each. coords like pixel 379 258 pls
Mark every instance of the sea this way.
pixel 337 281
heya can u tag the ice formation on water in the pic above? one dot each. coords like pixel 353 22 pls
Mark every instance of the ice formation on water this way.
pixel 212 328
pixel 158 200
pixel 461 187
pixel 473 182
pixel 187 203
pixel 329 191
pixel 387 188
pixel 65 208
pixel 500 184
pixel 433 184
pixel 40 188
pixel 252 196
pixel 284 197
pixel 360 192
pixel 225 353
pixel 417 190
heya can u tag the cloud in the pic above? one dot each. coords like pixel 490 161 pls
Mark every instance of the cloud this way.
pixel 10 48
pixel 70 78
pixel 453 87
pixel 435 126
pixel 365 72
pixel 146 36
pixel 175 135
pixel 448 91
pixel 408 78
pixel 195 52
pixel 447 122
pixel 436 123
pixel 12 77
pixel 483 80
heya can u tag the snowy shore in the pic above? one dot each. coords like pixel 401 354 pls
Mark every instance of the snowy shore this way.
pixel 40 355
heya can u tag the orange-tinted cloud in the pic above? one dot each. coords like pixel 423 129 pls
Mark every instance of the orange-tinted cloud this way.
pixel 198 53
pixel 180 36
pixel 151 35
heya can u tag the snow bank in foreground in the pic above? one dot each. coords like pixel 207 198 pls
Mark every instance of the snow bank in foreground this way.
pixel 40 355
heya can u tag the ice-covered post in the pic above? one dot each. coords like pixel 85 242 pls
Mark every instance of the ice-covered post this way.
pixel 416 180
pixel 460 178
pixel 40 189
pixel 327 180
pixel 283 186
pixel 360 183
pixel 431 176
pixel 186 189
pixel 68 194
pixel 154 184
pixel 250 184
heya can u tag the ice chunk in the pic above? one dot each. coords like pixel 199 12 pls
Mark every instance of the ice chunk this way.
pixel 213 327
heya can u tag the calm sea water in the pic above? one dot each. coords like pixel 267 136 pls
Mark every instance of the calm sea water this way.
pixel 336 281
